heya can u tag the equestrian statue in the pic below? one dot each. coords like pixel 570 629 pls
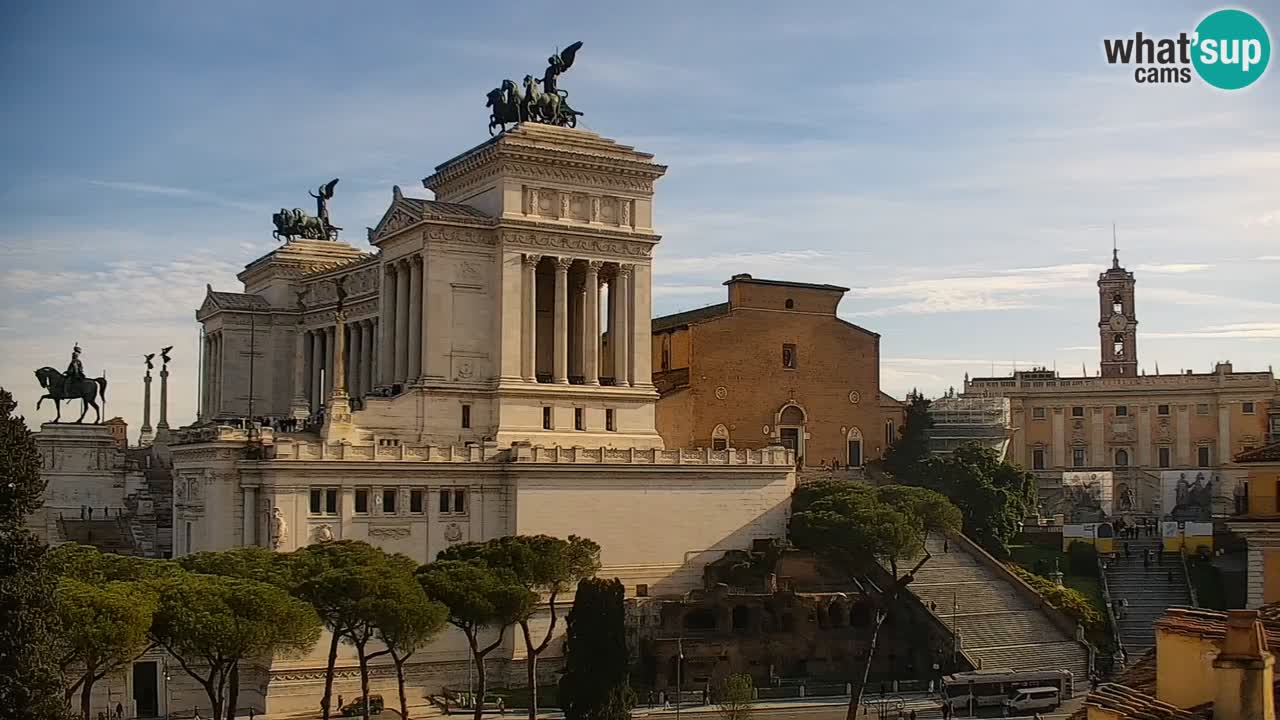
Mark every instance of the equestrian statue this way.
pixel 542 100
pixel 72 385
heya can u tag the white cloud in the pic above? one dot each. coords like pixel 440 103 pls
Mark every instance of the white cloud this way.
pixel 176 192
pixel 1230 331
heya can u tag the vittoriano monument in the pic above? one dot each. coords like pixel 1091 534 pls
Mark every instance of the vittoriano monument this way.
pixel 296 223
pixel 547 104
pixel 72 386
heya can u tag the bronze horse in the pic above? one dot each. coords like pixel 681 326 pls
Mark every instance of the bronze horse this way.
pixel 87 391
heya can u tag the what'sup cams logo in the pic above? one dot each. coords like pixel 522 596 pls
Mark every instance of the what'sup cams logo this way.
pixel 1229 50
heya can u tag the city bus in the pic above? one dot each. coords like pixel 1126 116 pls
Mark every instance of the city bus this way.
pixel 991 687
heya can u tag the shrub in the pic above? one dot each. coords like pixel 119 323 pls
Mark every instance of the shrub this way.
pixel 1071 602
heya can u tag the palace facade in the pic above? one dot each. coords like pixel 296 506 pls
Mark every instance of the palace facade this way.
pixel 452 384
pixel 1147 430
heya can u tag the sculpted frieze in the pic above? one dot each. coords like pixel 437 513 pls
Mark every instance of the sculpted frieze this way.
pixel 466 236
pixel 549 241
pixel 579 177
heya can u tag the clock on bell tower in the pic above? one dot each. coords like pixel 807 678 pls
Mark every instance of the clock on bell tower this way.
pixel 1117 326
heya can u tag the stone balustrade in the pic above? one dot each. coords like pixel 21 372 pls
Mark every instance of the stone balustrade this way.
pixel 389 450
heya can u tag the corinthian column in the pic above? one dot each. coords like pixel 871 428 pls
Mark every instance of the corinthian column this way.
pixel 402 321
pixel 529 336
pixel 301 349
pixel 415 318
pixel 387 323
pixel 561 333
pixel 618 303
pixel 313 369
pixel 354 371
pixel 367 333
pixel 146 435
pixel 591 325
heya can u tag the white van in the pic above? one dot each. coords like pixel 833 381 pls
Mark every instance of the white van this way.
pixel 1033 698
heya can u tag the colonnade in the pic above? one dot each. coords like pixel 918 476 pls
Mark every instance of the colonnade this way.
pixel 211 393
pixel 359 360
pixel 574 336
pixel 403 344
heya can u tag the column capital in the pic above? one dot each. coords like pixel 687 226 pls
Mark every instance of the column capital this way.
pixel 625 270
pixel 594 266
pixel 563 263
pixel 531 260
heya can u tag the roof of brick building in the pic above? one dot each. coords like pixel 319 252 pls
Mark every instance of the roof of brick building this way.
pixel 1266 453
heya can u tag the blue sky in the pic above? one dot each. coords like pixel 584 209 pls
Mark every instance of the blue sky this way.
pixel 958 167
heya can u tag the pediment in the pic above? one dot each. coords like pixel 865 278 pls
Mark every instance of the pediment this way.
pixel 402 213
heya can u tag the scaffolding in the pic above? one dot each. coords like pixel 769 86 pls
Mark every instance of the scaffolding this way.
pixel 959 421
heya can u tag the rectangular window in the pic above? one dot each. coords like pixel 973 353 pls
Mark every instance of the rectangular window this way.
pixel 608 421
pixel 415 502
pixel 789 359
pixel 1165 455
pixel 1037 413
pixel 459 501
pixel 1247 408
pixel 446 499
pixel 362 501
pixel 331 501
pixel 1078 458
pixel 579 419
pixel 1122 411
pixel 1202 408
pixel 466 416
pixel 719 443
pixel 546 418
pixel 1162 410
pixel 316 495
pixel 389 501
pixel 1037 459
pixel 1077 411
pixel 1202 456
pixel 642 590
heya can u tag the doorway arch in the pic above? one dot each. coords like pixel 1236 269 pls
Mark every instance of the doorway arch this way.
pixel 791 421
pixel 853 445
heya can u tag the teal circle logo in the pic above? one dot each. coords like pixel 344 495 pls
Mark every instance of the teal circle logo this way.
pixel 1231 49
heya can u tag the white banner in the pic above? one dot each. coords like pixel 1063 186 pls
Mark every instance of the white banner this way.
pixel 1187 494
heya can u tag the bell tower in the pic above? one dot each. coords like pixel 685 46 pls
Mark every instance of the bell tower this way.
pixel 1117 325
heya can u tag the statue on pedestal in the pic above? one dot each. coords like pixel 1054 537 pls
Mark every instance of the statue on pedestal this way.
pixel 279 529
pixel 71 386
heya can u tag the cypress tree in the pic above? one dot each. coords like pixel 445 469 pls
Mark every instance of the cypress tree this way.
pixel 596 685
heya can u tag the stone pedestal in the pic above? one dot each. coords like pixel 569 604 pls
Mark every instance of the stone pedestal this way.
pixel 162 427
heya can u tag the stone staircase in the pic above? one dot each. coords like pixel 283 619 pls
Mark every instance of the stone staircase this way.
pixel 995 625
pixel 1149 591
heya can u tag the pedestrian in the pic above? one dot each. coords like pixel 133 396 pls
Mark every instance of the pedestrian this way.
pixel 652 697
pixel 1126 551
pixel 502 706
pixel 90 513
pixel 195 714
pixel 340 703
pixel 119 710
pixel 912 715
pixel 946 545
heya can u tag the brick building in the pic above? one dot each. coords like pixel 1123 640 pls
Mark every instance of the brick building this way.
pixel 773 365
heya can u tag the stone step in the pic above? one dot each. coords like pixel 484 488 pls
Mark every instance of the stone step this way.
pixel 998 629
pixel 1065 655
pixel 929 574
pixel 970 597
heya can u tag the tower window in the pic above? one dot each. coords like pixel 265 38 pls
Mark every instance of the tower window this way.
pixel 1119 347
pixel 1117 304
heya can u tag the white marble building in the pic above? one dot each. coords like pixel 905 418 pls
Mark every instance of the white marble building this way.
pixel 488 375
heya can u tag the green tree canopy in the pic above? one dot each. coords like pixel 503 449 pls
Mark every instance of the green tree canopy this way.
pixel 736 696
pixel 595 684
pixel 993 495
pixel 209 623
pixel 104 628
pixel 329 576
pixel 406 620
pixel 546 566
pixel 478 596
pixel 249 563
pixel 910 450
pixel 30 684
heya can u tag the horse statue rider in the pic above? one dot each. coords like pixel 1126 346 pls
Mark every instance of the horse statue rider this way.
pixel 71 386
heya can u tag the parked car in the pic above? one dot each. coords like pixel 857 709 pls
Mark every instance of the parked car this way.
pixel 1033 698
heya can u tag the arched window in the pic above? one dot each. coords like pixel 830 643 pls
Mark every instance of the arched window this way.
pixel 720 438
pixel 1119 346
pixel 1122 458
pixel 790 303
pixel 792 415
pixel 890 432
pixel 1117 303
